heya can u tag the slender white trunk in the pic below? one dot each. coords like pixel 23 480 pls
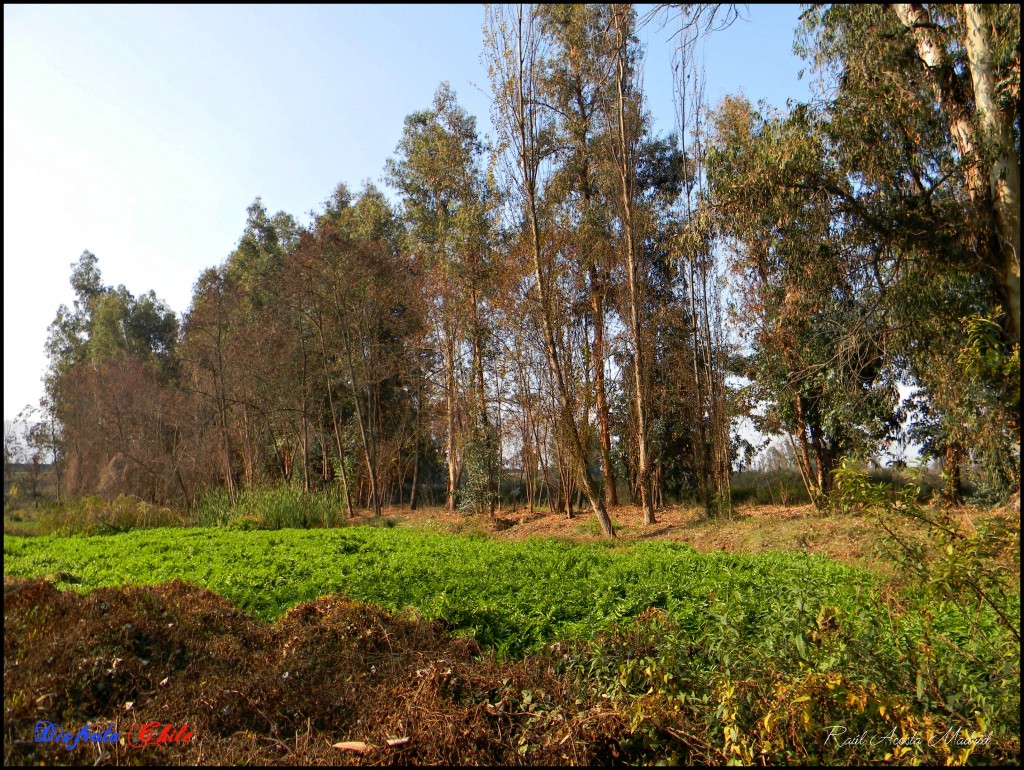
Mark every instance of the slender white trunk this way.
pixel 997 139
pixel 1001 183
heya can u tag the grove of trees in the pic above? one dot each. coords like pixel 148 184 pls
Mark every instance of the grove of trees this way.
pixel 577 312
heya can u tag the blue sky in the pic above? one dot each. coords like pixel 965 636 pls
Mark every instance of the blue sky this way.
pixel 143 133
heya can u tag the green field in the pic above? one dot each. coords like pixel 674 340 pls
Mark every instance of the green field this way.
pixel 769 628
pixel 511 595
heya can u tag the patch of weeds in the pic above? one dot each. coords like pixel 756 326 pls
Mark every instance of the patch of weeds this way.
pixel 380 521
pixel 591 526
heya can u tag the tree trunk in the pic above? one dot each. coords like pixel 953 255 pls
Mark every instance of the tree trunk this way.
pixel 222 398
pixel 478 371
pixel 626 169
pixel 529 162
pixel 611 495
pixel 1001 190
pixel 932 52
pixel 567 418
pixel 823 464
pixel 806 471
pixel 453 472
pixel 702 456
pixel 337 427
pixel 360 421
pixel 416 445
pixel 1004 172
pixel 951 489
pixel 305 413
pixel 248 455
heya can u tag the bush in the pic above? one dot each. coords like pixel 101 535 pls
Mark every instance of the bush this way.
pixel 709 695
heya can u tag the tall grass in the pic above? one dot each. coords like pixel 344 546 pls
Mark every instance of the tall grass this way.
pixel 94 515
pixel 279 507
pixel 774 487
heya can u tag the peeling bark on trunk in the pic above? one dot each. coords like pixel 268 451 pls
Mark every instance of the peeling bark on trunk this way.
pixel 997 139
pixel 998 188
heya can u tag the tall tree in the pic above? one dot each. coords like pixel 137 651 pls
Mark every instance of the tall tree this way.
pixel 817 346
pixel 514 48
pixel 626 129
pixel 915 122
pixel 981 102
pixel 439 173
pixel 576 83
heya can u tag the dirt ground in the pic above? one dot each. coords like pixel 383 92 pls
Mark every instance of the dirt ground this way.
pixel 328 672
pixel 850 538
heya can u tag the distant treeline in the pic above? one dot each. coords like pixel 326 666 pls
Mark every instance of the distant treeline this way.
pixel 592 304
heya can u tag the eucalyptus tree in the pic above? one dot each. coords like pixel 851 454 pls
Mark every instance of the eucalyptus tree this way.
pixel 246 357
pixel 700 262
pixel 923 119
pixel 970 56
pixel 516 53
pixel 624 134
pixel 818 345
pixel 358 291
pixel 273 344
pixel 575 85
pixel 112 418
pixel 446 203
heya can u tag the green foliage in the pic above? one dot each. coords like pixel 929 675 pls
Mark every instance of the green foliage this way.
pixel 279 507
pixel 123 325
pixel 512 595
pixel 480 460
pixel 438 171
pixel 963 566
pixel 109 322
pixel 991 376
pixel 708 694
pixel 963 578
pixel 818 356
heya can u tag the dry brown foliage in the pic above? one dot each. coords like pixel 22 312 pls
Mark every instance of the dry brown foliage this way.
pixel 251 693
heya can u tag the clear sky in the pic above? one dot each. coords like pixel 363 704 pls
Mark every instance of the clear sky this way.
pixel 143 133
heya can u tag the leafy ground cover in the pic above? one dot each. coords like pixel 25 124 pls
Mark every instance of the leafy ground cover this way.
pixel 513 596
pixel 705 657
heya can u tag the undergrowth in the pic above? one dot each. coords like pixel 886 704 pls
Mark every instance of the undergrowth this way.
pixel 95 515
pixel 275 507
